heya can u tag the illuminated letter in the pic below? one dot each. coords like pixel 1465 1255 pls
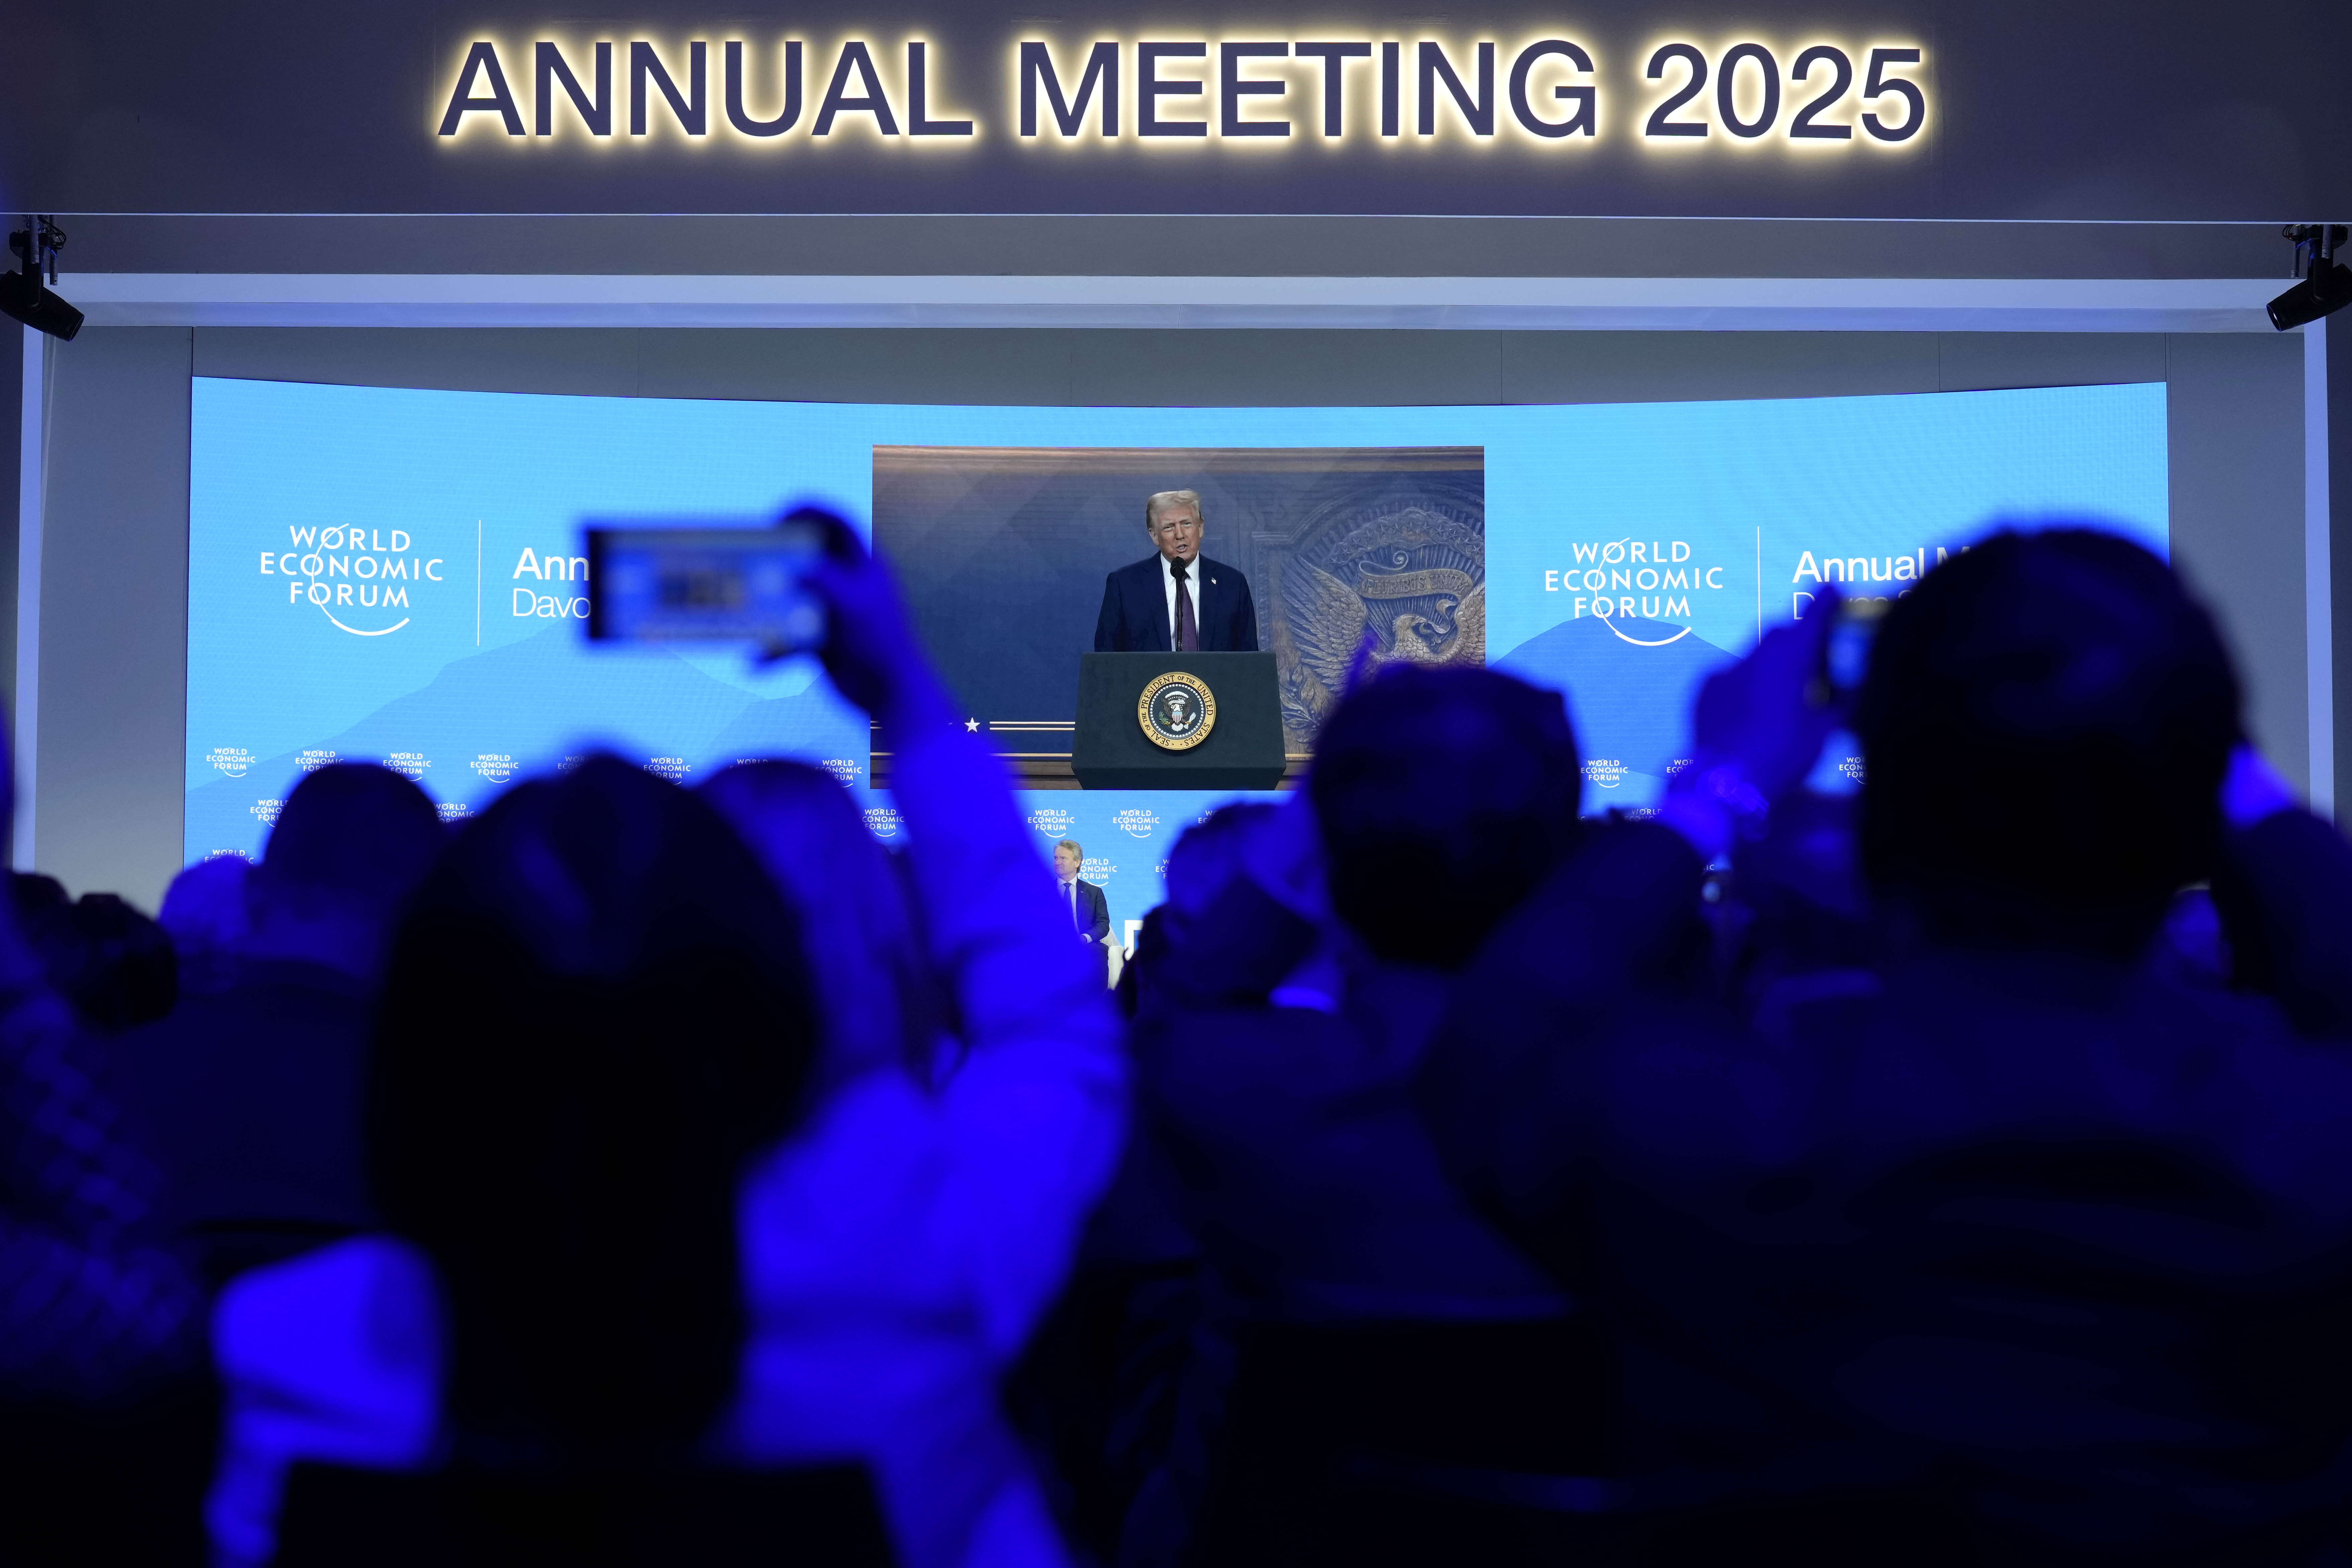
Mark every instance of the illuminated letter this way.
pixel 1037 66
pixel 483 56
pixel 598 115
pixel 1150 89
pixel 1334 57
pixel 874 101
pixel 917 89
pixel 692 116
pixel 1234 90
pixel 1583 97
pixel 743 122
pixel 1391 71
pixel 1479 111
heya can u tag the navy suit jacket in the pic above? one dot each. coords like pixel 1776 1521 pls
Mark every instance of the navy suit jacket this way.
pixel 1094 909
pixel 1134 618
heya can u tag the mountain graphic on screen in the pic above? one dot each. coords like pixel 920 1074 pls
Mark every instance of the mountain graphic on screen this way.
pixel 529 704
pixel 1630 704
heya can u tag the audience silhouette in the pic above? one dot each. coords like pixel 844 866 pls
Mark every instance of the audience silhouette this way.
pixel 255 1082
pixel 2023 1250
pixel 1946 1172
pixel 657 1197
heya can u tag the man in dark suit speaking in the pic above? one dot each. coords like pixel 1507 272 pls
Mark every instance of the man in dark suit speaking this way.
pixel 1178 601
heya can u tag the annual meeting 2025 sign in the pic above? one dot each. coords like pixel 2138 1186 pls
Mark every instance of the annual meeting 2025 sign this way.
pixel 1849 108
pixel 1798 92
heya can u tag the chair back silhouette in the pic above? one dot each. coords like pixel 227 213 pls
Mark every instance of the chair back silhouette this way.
pixel 1409 1443
pixel 809 1517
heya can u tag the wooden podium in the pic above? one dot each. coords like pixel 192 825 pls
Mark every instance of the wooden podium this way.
pixel 1178 721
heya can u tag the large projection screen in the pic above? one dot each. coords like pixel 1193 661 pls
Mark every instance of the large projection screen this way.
pixel 394 575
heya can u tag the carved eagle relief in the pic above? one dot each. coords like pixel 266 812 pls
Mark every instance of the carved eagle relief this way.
pixel 1408 587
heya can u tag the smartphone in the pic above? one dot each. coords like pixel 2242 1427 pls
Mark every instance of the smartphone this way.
pixel 1845 653
pixel 693 581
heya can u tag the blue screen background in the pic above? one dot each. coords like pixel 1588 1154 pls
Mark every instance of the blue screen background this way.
pixel 486 677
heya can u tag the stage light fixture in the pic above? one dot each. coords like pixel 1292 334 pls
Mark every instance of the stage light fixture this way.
pixel 2327 285
pixel 22 294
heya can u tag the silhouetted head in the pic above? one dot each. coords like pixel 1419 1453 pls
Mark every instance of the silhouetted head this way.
pixel 1210 854
pixel 204 909
pixel 1446 796
pixel 857 923
pixel 348 844
pixel 595 1015
pixel 1221 937
pixel 34 892
pixel 113 964
pixel 2045 722
pixel 204 912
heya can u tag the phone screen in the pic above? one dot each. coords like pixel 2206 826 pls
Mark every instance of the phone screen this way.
pixel 688 582
pixel 1845 656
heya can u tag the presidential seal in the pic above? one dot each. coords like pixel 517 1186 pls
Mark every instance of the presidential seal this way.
pixel 1177 711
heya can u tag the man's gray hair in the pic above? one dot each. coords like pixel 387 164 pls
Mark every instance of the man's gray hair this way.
pixel 1156 504
pixel 1072 845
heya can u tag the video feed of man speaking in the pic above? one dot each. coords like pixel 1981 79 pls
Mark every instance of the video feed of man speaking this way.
pixel 1016 560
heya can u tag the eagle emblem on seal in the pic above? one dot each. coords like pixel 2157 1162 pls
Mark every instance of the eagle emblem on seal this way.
pixel 1408 587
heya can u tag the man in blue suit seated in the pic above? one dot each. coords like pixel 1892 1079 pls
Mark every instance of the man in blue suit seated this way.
pixel 1178 600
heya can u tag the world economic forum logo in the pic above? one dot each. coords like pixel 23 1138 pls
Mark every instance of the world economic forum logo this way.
pixel 1631 586
pixel 359 578
pixel 1053 822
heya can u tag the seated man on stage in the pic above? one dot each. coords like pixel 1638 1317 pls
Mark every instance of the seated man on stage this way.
pixel 1178 600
